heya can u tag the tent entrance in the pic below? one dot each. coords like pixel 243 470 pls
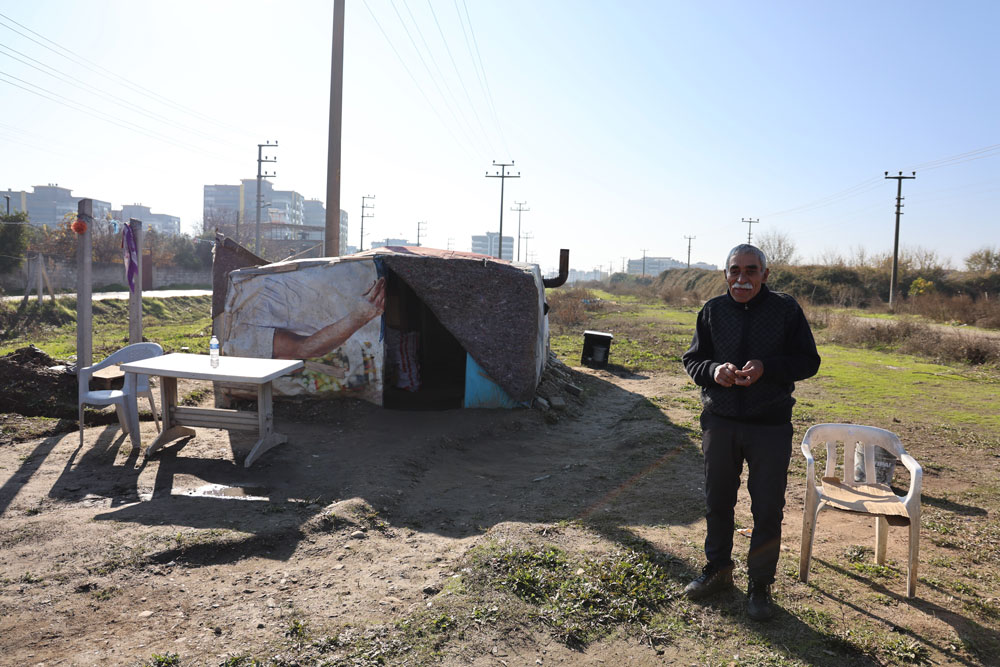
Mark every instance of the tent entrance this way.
pixel 424 362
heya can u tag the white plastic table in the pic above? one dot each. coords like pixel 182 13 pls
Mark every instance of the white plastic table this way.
pixel 176 419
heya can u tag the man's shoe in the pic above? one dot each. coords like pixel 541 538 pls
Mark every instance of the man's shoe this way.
pixel 759 603
pixel 713 579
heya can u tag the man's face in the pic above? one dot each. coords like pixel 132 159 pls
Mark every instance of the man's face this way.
pixel 744 276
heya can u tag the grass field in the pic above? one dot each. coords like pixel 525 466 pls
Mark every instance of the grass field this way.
pixel 850 613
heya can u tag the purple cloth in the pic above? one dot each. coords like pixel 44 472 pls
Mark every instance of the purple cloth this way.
pixel 130 255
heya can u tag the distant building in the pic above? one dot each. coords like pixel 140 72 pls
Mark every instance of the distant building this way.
pixel 654 266
pixel 285 216
pixel 487 245
pixel 161 223
pixel 585 276
pixel 49 204
pixel 389 242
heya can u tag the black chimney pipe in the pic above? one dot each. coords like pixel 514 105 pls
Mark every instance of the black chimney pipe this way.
pixel 563 270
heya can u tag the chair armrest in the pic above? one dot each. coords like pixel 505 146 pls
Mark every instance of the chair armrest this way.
pixel 810 463
pixel 916 478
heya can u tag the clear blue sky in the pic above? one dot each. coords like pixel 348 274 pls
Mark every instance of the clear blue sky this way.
pixel 632 124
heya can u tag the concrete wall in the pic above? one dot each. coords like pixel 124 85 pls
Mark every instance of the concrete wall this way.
pixel 62 275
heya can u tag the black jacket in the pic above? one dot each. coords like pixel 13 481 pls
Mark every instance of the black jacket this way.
pixel 770 327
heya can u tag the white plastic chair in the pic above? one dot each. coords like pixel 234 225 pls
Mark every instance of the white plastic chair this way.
pixel 860 496
pixel 123 399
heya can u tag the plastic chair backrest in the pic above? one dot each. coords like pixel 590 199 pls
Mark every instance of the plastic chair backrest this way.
pixel 133 352
pixel 851 434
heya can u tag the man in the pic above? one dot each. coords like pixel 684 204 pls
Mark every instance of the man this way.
pixel 750 346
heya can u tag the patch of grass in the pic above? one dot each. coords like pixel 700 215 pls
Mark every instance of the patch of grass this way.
pixel 172 322
pixel 163 660
pixel 580 600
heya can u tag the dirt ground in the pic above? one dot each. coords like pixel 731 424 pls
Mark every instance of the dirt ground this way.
pixel 360 520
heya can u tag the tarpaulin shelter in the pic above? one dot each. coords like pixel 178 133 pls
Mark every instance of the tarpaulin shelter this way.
pixel 405 327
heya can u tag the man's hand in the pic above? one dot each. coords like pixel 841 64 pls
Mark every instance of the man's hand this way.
pixel 725 374
pixel 750 373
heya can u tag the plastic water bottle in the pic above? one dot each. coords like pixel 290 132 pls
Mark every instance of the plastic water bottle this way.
pixel 213 352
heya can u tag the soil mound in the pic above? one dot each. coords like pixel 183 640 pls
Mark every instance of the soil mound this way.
pixel 36 385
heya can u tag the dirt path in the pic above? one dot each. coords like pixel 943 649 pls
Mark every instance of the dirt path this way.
pixel 361 520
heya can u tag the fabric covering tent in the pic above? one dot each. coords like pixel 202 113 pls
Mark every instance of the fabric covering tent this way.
pixel 453 329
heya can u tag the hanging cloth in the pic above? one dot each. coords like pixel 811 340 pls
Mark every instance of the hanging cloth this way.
pixel 130 255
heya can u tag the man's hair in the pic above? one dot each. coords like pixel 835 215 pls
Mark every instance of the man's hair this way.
pixel 746 247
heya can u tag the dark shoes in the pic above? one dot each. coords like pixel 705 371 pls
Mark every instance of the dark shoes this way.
pixel 759 603
pixel 713 579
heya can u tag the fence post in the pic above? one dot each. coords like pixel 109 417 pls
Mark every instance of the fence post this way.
pixel 135 296
pixel 84 310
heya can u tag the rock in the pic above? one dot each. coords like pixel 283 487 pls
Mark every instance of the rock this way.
pixel 541 403
pixel 358 535
pixel 558 402
pixel 573 389
pixel 432 589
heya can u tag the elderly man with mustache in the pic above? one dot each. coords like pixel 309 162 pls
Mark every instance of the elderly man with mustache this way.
pixel 750 346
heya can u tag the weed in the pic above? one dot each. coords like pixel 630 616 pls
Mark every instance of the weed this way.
pixel 297 630
pixel 907 651
pixel 163 660
pixel 875 571
pixel 241 661
pixel 857 553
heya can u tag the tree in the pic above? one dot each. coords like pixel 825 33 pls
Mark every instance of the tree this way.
pixel 778 247
pixel 984 260
pixel 15 232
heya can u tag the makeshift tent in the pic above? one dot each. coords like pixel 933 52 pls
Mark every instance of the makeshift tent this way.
pixel 404 327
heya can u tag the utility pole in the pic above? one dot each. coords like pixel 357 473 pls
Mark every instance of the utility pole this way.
pixel 895 244
pixel 689 238
pixel 420 227
pixel 520 209
pixel 527 237
pixel 331 238
pixel 451 242
pixel 644 262
pixel 623 265
pixel 260 195
pixel 503 176
pixel 364 206
pixel 750 224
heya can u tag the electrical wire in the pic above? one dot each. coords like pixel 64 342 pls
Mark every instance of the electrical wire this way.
pixel 483 85
pixel 66 78
pixel 415 82
pixel 108 74
pixel 458 73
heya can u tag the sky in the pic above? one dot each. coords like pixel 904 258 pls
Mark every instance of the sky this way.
pixel 631 125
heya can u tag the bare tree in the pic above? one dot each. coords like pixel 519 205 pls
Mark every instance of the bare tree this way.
pixel 778 246
pixel 984 260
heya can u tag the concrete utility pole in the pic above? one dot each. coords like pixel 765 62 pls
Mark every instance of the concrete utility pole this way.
pixel 520 209
pixel 260 177
pixel 750 224
pixel 895 244
pixel 421 226
pixel 331 237
pixel 644 262
pixel 364 206
pixel 689 239
pixel 527 237
pixel 503 176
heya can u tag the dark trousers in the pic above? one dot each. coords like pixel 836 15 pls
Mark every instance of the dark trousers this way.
pixel 767 450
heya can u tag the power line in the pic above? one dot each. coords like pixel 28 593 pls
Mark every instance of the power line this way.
pixel 483 83
pixel 423 62
pixel 414 79
pixel 94 90
pixel 461 79
pixel 750 224
pixel 100 115
pixel 106 73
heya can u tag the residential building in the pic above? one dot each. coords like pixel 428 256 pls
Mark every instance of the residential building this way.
pixel 50 204
pixel 161 223
pixel 487 245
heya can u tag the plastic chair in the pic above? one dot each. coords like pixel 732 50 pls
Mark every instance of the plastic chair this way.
pixel 860 496
pixel 123 399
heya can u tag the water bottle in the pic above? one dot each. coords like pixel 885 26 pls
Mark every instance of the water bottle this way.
pixel 213 352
